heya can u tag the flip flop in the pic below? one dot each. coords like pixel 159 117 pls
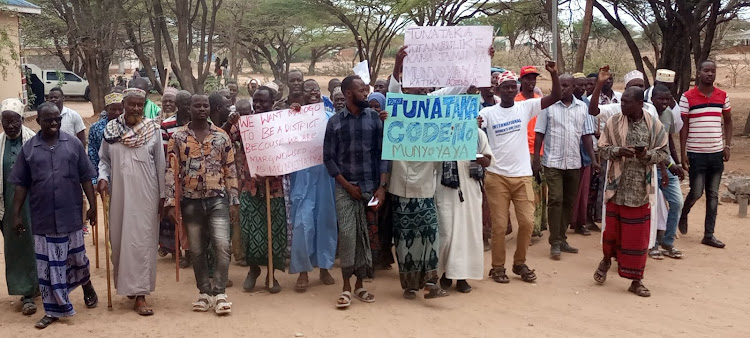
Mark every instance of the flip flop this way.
pixel 29 308
pixel 346 296
pixel 364 296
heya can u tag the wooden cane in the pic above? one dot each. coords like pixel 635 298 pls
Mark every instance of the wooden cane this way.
pixel 105 201
pixel 96 240
pixel 270 236
pixel 177 213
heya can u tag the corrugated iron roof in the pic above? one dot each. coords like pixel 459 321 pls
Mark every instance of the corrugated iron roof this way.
pixel 19 3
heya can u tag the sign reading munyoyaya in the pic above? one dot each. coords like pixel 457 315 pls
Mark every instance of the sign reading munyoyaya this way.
pixel 431 128
pixel 447 56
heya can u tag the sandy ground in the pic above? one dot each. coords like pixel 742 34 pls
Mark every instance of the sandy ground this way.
pixel 705 294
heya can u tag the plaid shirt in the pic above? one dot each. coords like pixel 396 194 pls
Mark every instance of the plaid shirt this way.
pixel 563 128
pixel 207 169
pixel 353 147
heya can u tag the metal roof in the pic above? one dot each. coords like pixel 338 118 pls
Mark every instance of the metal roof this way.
pixel 20 6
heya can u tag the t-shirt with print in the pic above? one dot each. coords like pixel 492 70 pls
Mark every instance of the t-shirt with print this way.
pixel 506 132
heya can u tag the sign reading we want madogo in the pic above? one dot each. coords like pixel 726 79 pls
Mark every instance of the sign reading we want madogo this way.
pixel 284 141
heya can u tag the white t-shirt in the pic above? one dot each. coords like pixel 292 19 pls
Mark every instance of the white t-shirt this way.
pixel 507 134
pixel 71 123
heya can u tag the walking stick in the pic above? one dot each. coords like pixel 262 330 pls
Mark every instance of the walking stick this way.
pixel 177 213
pixel 105 201
pixel 96 240
pixel 270 236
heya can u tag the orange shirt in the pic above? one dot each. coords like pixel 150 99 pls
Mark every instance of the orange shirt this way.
pixel 532 124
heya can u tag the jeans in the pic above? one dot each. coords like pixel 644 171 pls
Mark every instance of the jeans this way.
pixel 673 195
pixel 705 173
pixel 563 192
pixel 208 220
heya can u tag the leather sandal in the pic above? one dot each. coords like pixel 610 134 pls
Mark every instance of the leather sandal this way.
pixel 499 276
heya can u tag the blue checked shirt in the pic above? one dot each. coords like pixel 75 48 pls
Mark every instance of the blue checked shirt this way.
pixel 353 147
pixel 563 128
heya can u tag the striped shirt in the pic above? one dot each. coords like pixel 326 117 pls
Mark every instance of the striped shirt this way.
pixel 703 116
pixel 563 128
pixel 168 127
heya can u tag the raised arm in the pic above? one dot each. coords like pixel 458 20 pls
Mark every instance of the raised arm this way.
pixel 600 81
pixel 556 90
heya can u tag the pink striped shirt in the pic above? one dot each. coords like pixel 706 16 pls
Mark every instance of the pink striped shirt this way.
pixel 704 118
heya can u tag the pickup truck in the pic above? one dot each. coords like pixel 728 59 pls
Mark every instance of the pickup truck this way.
pixel 72 84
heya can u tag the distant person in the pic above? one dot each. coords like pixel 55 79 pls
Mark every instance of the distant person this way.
pixel 168 105
pixel 332 85
pixel 381 86
pixel 295 81
pixel 71 123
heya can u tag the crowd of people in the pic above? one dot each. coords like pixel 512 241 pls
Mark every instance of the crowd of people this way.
pixel 581 155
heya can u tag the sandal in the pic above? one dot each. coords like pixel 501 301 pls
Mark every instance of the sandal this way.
pixel 142 308
pixel 346 296
pixel 223 307
pixel 655 253
pixel 672 252
pixel 89 296
pixel 364 296
pixel 410 294
pixel 301 285
pixel 45 321
pixel 203 304
pixel 639 289
pixel 434 291
pixel 29 308
pixel 527 275
pixel 499 276
pixel 326 277
pixel 600 275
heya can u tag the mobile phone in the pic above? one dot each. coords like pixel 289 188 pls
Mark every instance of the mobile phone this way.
pixel 640 148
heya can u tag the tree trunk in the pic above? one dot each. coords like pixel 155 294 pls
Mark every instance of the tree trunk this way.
pixel 313 60
pixel 634 50
pixel 746 131
pixel 585 32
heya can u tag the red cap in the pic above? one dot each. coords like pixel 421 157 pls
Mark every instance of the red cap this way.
pixel 528 70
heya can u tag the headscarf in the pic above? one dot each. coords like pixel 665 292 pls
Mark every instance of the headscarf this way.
pixel 377 97
pixel 12 105
pixel 112 98
pixel 118 131
pixel 507 76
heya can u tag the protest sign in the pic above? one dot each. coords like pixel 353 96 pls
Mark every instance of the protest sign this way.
pixel 447 56
pixel 284 141
pixel 431 128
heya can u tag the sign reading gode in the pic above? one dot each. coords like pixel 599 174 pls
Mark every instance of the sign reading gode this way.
pixel 284 141
pixel 431 128
pixel 447 56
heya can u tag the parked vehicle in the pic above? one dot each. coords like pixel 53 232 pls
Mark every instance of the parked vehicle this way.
pixel 71 83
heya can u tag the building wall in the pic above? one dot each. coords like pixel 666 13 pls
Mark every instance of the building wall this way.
pixel 10 84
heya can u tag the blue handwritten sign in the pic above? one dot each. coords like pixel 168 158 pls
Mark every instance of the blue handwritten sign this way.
pixel 430 128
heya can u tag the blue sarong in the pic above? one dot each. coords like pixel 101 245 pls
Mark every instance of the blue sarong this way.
pixel 62 266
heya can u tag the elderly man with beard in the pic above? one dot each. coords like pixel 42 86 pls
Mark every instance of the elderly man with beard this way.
pixel 151 110
pixel 355 132
pixel 168 104
pixel 632 142
pixel 253 211
pixel 313 215
pixel 132 164
pixel 50 169
pixel 20 261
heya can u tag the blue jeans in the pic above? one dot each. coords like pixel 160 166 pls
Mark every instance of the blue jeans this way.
pixel 673 195
pixel 705 173
pixel 208 220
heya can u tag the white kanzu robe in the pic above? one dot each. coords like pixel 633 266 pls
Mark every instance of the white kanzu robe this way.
pixel 136 182
pixel 460 223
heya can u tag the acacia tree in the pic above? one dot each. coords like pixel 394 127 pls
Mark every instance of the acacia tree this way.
pixel 449 12
pixel 376 23
pixel 686 30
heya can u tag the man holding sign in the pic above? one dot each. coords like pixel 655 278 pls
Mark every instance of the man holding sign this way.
pixel 510 178
pixel 352 154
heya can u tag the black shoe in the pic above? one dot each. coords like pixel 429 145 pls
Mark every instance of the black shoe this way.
pixel 462 286
pixel 581 230
pixel 554 252
pixel 445 283
pixel 185 260
pixel 712 241
pixel 252 277
pixel 683 225
pixel 565 247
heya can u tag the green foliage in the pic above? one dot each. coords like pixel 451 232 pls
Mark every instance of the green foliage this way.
pixel 60 78
pixel 212 83
pixel 7 43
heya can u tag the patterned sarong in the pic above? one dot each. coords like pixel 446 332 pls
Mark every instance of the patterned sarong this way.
pixel 62 266
pixel 355 252
pixel 254 225
pixel 415 226
pixel 626 238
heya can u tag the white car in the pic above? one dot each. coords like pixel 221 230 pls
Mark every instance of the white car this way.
pixel 72 84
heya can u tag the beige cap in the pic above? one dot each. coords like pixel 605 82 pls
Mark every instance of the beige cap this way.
pixel 12 105
pixel 665 75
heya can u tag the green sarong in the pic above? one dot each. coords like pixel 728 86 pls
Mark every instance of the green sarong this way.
pixel 253 223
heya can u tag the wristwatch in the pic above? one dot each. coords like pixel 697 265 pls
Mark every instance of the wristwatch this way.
pixel 384 185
